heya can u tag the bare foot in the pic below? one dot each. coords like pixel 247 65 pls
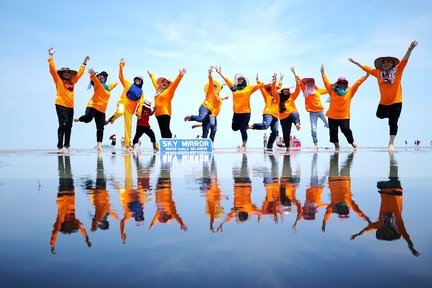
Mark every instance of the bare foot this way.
pixel 298 126
pixel 196 126
pixel 315 146
pixel 60 151
pixel 250 126
pixel 187 118
pixel 354 145
pixel 391 148
pixel 76 120
pixel 337 147
pixel 99 146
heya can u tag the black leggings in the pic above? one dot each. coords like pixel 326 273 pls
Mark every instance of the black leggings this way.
pixel 65 120
pixel 344 125
pixel 99 117
pixel 392 112
pixel 140 130
pixel 164 125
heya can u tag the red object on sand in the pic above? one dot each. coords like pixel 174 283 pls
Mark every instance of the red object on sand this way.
pixel 112 136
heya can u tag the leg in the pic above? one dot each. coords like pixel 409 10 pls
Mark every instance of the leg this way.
pixel 164 125
pixel 267 119
pixel 100 126
pixel 295 118
pixel 205 127
pixel 117 114
pixel 213 127
pixel 203 113
pixel 313 116
pixel 394 113
pixel 346 130
pixel 63 115
pixel 333 131
pixel 286 130
pixel 243 128
pixel 88 116
pixel 68 128
pixel 322 116
pixel 127 127
pixel 274 127
pixel 138 133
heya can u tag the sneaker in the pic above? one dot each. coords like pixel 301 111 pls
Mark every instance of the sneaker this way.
pixel 155 146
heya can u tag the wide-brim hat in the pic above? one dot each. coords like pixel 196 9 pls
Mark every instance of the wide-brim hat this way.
pixel 285 86
pixel 239 75
pixel 339 80
pixel 160 79
pixel 103 73
pixel 379 60
pixel 217 89
pixel 304 80
pixel 66 73
pixel 147 103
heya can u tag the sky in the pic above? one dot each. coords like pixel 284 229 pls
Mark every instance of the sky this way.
pixel 248 37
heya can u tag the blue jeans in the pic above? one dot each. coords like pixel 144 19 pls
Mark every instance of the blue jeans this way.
pixel 203 113
pixel 313 120
pixel 267 120
pixel 209 124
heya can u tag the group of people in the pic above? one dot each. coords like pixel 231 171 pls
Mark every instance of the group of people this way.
pixel 279 102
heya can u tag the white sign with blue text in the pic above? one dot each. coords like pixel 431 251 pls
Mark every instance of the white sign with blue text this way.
pixel 185 145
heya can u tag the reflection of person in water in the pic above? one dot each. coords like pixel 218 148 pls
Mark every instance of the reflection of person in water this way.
pixel 289 183
pixel 272 200
pixel 66 221
pixel 340 190
pixel 209 188
pixel 243 209
pixel 390 225
pixel 313 194
pixel 144 187
pixel 99 197
pixel 165 205
pixel 131 199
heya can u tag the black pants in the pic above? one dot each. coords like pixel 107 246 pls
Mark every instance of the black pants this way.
pixel 65 120
pixel 164 125
pixel 240 122
pixel 99 117
pixel 344 125
pixel 392 112
pixel 140 130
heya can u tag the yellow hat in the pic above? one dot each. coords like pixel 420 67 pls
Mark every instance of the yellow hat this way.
pixel 217 89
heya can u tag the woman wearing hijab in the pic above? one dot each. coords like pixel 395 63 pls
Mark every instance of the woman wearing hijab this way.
pixel 65 80
pixel 96 107
pixel 313 105
pixel 241 91
pixel 388 72
pixel 165 90
pixel 288 113
pixel 130 102
pixel 340 105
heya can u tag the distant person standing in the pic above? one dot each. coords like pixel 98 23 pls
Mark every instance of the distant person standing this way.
pixel 388 72
pixel 65 80
pixel 265 140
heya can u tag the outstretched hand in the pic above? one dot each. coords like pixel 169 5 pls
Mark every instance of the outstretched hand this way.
pixel 91 71
pixel 51 51
pixel 413 45
pixel 322 69
pixel 182 71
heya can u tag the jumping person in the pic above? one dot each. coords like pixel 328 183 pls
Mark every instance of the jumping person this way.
pixel 165 90
pixel 340 105
pixel 388 72
pixel 143 126
pixel 96 107
pixel 65 80
pixel 130 103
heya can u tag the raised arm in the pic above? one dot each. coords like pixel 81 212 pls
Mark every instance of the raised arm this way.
pixel 356 63
pixel 410 48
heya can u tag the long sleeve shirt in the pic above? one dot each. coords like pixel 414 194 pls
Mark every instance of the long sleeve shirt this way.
pixel 129 104
pixel 163 100
pixel 210 95
pixel 289 104
pixel 64 97
pixel 241 98
pixel 340 106
pixel 313 101
pixel 271 105
pixel 100 98
pixel 390 93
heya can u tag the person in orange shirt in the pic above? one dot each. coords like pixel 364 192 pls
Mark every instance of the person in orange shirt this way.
pixel 270 113
pixel 165 205
pixel 313 104
pixel 243 208
pixel 288 113
pixel 272 202
pixel 339 183
pixel 66 221
pixel 96 107
pixel 165 90
pixel 314 193
pixel 388 72
pixel 340 105
pixel 241 91
pixel 390 224
pixel 130 103
pixel 64 80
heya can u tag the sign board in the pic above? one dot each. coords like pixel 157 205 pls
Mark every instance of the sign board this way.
pixel 185 145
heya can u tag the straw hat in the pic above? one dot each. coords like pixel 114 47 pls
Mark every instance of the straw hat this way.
pixel 160 79
pixel 147 103
pixel 285 86
pixel 239 75
pixel 66 73
pixel 217 89
pixel 379 60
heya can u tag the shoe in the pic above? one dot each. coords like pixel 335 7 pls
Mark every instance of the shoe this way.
pixel 155 146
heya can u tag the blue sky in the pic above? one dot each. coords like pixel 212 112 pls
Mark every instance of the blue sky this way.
pixel 248 37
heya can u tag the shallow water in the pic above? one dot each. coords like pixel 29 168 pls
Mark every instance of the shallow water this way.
pixel 222 220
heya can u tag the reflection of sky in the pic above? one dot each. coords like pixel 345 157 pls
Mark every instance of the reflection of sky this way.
pixel 262 252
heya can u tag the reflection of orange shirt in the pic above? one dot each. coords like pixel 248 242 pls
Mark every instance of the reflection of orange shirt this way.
pixel 100 200
pixel 390 93
pixel 340 106
pixel 100 98
pixel 162 102
pixel 241 98
pixel 272 201
pixel 214 196
pixel 242 201
pixel 64 97
pixel 66 211
pixel 340 190
pixel 290 192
